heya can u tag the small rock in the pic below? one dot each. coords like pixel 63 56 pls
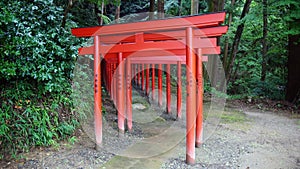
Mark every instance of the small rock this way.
pixel 138 106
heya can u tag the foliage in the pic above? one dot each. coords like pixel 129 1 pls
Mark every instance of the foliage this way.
pixel 247 66
pixel 36 63
pixel 134 6
pixel 183 7
pixel 172 7
pixel 82 95
pixel 82 13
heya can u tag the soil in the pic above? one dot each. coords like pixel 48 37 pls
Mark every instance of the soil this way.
pixel 237 137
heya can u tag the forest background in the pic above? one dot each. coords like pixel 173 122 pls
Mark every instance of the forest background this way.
pixel 38 55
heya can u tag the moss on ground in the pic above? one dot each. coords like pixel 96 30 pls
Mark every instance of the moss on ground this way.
pixel 298 123
pixel 233 116
pixel 226 116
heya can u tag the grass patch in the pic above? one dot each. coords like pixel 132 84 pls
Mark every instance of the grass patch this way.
pixel 159 119
pixel 295 115
pixel 298 123
pixel 233 117
pixel 225 116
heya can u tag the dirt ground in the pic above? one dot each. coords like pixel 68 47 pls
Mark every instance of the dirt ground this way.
pixel 236 137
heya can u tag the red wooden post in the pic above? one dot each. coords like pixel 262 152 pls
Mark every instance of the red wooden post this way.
pixel 120 95
pixel 168 88
pixel 109 79
pixel 138 75
pixel 104 70
pixel 97 93
pixel 199 121
pixel 191 97
pixel 143 80
pixel 160 85
pixel 179 90
pixel 153 81
pixel 147 79
pixel 128 95
pixel 114 84
pixel 112 80
pixel 134 73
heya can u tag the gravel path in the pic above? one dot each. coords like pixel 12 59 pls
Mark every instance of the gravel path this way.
pixel 257 140
pixel 266 140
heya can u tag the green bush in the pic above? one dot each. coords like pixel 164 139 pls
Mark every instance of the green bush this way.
pixel 37 58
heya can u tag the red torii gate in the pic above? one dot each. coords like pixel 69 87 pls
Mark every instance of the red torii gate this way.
pixel 169 41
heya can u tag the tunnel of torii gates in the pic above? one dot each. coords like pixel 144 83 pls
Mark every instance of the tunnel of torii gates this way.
pixel 130 48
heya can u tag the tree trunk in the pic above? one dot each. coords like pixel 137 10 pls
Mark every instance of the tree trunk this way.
pixel 102 13
pixel 99 13
pixel 117 15
pixel 264 41
pixel 194 7
pixel 180 7
pixel 151 10
pixel 160 9
pixel 213 65
pixel 293 84
pixel 64 20
pixel 216 5
pixel 227 38
pixel 237 39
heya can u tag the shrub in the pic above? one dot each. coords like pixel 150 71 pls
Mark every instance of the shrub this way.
pixel 37 57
